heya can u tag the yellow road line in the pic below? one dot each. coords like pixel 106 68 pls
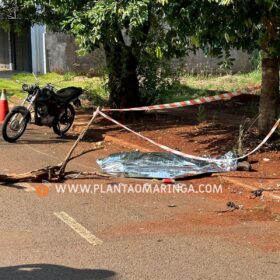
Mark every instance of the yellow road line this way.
pixel 82 231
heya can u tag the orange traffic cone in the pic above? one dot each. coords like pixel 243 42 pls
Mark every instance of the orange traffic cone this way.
pixel 4 108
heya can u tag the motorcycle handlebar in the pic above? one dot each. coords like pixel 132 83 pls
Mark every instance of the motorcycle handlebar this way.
pixel 28 88
pixel 25 87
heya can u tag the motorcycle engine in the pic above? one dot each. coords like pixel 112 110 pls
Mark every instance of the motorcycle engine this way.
pixel 44 115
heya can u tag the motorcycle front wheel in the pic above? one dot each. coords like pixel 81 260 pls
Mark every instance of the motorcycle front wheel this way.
pixel 64 121
pixel 14 126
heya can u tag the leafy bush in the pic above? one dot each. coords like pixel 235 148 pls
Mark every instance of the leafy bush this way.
pixel 157 78
pixel 256 60
pixel 68 76
pixel 96 94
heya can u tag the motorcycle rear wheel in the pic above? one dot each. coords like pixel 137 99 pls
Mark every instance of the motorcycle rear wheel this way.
pixel 63 123
pixel 16 123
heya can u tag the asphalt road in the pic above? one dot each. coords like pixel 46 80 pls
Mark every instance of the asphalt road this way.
pixel 105 236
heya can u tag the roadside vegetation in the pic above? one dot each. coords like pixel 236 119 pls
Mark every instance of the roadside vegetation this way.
pixel 194 86
pixel 187 87
pixel 134 34
pixel 14 84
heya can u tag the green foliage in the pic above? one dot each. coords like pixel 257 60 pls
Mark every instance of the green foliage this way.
pixel 8 9
pixel 195 86
pixel 137 24
pixel 156 78
pixel 68 76
pixel 256 60
pixel 131 32
pixel 201 117
pixel 162 29
pixel 189 87
pixel 219 25
pixel 14 84
pixel 18 14
pixel 97 95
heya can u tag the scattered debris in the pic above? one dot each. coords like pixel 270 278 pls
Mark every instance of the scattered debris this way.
pixel 276 217
pixel 231 206
pixel 237 191
pixel 266 159
pixel 172 206
pixel 99 144
pixel 244 166
pixel 259 193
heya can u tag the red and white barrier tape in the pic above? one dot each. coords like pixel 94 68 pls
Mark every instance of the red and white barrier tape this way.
pixel 187 155
pixel 202 100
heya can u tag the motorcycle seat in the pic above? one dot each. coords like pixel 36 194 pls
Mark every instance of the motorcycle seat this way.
pixel 66 94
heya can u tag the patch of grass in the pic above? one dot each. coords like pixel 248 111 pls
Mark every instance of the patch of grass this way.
pixel 190 87
pixel 14 85
pixel 96 94
pixel 13 88
pixel 194 86
pixel 68 76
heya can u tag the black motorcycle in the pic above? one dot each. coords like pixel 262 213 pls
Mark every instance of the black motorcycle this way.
pixel 46 107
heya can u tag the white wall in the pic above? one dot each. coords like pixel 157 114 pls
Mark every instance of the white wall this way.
pixel 38 48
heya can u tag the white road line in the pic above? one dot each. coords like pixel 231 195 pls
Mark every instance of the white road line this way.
pixel 82 231
pixel 49 155
pixel 39 152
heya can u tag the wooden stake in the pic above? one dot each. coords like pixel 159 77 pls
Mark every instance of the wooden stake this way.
pixel 81 136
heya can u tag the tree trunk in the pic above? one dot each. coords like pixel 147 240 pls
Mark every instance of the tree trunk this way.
pixel 270 94
pixel 123 81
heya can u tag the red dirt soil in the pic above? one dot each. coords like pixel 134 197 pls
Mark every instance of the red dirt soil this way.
pixel 215 135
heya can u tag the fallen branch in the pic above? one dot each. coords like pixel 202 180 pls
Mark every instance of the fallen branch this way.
pixel 84 175
pixel 47 174
pixel 85 152
pixel 81 136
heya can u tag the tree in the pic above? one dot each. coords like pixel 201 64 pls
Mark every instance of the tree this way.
pixel 17 14
pixel 219 25
pixel 132 29
pixel 7 9
pixel 128 30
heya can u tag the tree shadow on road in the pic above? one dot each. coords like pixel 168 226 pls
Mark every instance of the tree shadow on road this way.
pixel 53 272
pixel 14 186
